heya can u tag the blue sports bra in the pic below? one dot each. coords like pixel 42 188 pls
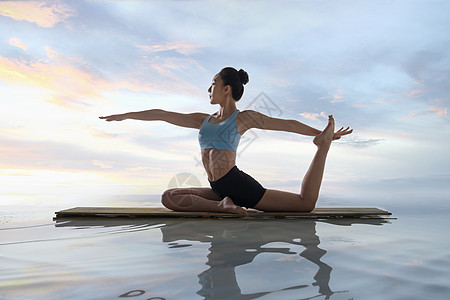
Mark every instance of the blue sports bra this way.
pixel 223 135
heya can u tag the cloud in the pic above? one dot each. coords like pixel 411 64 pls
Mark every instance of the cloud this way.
pixel 430 71
pixel 103 164
pixel 166 74
pixel 169 66
pixel 41 13
pixel 97 133
pixel 17 43
pixel 357 142
pixel 55 155
pixel 373 58
pixel 335 97
pixel 415 93
pixel 68 84
pixel 180 47
pixel 315 116
pixel 73 83
pixel 432 111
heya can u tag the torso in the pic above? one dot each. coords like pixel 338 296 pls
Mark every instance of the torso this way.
pixel 218 162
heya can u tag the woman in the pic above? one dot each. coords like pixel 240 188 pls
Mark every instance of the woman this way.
pixel 231 189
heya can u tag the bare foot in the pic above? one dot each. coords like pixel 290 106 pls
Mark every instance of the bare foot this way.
pixel 228 206
pixel 325 138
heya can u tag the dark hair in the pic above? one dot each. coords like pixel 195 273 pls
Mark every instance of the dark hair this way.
pixel 235 79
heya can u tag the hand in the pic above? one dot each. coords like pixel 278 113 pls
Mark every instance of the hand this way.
pixel 120 117
pixel 341 132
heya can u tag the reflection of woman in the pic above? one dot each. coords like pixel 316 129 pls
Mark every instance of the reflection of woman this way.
pixel 238 243
pixel 219 135
pixel 231 243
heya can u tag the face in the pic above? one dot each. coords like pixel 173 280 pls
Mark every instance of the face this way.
pixel 217 91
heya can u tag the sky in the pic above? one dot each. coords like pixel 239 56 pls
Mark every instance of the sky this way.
pixel 380 67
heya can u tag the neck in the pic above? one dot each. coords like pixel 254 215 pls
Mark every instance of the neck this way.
pixel 227 108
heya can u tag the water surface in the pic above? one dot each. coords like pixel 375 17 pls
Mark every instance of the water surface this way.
pixel 406 258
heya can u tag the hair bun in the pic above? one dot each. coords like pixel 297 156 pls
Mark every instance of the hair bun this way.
pixel 243 76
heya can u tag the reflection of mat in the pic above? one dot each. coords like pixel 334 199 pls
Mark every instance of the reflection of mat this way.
pixel 160 212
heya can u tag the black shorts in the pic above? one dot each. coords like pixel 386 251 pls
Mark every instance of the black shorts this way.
pixel 243 189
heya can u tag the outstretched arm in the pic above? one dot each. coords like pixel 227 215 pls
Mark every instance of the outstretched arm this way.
pixel 253 119
pixel 193 120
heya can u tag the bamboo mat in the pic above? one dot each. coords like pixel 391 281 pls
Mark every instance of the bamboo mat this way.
pixel 160 212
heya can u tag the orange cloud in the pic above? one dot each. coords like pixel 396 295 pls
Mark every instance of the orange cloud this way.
pixel 438 111
pixel 17 43
pixel 66 82
pixel 431 111
pixel 71 85
pixel 41 13
pixel 314 116
pixel 415 93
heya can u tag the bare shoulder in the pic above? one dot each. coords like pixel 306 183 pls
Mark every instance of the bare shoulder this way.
pixel 249 119
pixel 250 114
pixel 253 117
pixel 197 118
pixel 191 120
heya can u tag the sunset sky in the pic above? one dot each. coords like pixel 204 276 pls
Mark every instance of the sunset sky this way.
pixel 380 67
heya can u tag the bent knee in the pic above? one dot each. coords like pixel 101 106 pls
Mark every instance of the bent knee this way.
pixel 166 199
pixel 307 208
pixel 305 205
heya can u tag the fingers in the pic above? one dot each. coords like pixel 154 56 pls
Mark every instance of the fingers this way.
pixel 341 132
pixel 344 131
pixel 111 118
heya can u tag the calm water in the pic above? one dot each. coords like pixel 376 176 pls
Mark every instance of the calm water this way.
pixel 406 258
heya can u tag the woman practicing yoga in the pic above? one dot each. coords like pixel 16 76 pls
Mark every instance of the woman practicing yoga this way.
pixel 231 189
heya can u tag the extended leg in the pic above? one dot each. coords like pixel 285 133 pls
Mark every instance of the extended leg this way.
pixel 274 200
pixel 199 199
pixel 313 178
